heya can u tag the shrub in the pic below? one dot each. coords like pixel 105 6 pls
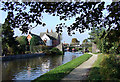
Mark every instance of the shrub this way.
pixel 44 48
pixel 27 52
pixel 56 51
pixel 110 67
pixel 90 49
pixel 53 51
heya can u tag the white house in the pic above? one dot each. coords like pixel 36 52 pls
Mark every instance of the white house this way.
pixel 50 38
pixel 47 40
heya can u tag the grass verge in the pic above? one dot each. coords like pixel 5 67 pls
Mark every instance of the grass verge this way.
pixel 61 71
pixel 94 73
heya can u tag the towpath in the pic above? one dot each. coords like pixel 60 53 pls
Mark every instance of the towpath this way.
pixel 81 72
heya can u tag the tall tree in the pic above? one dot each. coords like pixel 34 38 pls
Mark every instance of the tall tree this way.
pixel 9 44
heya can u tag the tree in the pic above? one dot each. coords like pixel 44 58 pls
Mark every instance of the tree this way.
pixel 34 42
pixel 23 43
pixel 107 44
pixel 95 35
pixel 112 39
pixel 90 14
pixel 86 44
pixel 9 44
pixel 22 40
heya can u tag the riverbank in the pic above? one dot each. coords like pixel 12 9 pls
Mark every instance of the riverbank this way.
pixel 63 70
pixel 21 56
pixel 81 72
pixel 94 73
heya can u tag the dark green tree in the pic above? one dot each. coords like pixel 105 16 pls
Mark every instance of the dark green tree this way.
pixel 34 42
pixel 95 36
pixel 9 44
pixel 23 44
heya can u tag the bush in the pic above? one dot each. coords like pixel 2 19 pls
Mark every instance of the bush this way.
pixel 53 51
pixel 27 52
pixel 37 48
pixel 94 73
pixel 56 51
pixel 44 48
pixel 90 49
pixel 110 67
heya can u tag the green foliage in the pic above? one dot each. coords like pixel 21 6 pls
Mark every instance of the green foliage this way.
pixel 108 41
pixel 56 51
pixel 37 48
pixel 106 68
pixel 27 52
pixel 93 12
pixel 110 67
pixel 90 49
pixel 51 51
pixel 22 40
pixel 61 71
pixel 94 73
pixel 111 42
pixel 23 44
pixel 77 49
pixel 44 48
pixel 9 44
pixel 34 42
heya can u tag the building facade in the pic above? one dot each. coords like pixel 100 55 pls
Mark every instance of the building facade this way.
pixel 50 38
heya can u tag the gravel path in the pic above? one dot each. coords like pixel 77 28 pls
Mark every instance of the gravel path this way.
pixel 81 72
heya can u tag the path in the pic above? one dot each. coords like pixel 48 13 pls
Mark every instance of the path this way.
pixel 81 72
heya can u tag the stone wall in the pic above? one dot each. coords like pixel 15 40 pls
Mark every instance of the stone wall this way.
pixel 94 48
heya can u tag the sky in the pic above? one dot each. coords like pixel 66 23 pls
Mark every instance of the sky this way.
pixel 51 22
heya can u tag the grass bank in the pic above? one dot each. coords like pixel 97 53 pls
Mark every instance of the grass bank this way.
pixel 94 73
pixel 61 71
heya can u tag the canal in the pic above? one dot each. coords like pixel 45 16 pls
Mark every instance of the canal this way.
pixel 30 69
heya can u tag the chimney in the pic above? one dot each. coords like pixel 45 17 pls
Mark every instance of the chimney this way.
pixel 47 31
pixel 51 30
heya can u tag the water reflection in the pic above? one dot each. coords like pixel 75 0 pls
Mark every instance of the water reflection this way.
pixel 29 69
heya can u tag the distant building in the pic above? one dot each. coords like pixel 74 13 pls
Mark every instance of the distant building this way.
pixel 75 43
pixel 50 38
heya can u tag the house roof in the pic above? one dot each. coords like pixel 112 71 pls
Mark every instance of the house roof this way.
pixel 51 35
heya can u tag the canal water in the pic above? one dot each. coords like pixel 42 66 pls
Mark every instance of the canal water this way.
pixel 30 69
